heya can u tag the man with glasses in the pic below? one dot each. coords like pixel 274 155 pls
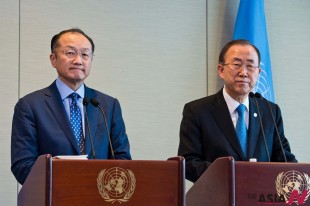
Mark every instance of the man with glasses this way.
pixel 228 122
pixel 57 120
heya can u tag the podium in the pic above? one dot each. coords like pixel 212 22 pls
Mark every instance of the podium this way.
pixel 234 183
pixel 62 182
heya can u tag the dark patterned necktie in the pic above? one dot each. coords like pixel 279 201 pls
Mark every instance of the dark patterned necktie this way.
pixel 241 128
pixel 76 121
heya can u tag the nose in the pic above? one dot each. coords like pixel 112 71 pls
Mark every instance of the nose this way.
pixel 243 71
pixel 78 58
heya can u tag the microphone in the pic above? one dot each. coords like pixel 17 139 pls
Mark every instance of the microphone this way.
pixel 258 95
pixel 261 124
pixel 95 102
pixel 85 103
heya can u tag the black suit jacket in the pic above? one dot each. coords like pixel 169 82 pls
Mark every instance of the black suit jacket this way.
pixel 41 126
pixel 207 133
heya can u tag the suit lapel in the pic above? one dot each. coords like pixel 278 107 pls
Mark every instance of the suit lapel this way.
pixel 55 104
pixel 222 117
pixel 254 125
pixel 92 113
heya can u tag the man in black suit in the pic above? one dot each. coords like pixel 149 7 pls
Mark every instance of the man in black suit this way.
pixel 207 129
pixel 42 121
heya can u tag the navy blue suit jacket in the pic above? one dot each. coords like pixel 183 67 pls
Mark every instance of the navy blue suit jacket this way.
pixel 207 133
pixel 41 126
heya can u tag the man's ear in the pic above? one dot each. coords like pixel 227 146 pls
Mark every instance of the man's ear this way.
pixel 220 69
pixel 53 59
pixel 259 70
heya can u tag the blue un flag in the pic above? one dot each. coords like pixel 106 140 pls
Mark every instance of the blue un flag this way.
pixel 251 25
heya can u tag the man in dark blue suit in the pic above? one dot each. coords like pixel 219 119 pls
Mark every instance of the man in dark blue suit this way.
pixel 207 129
pixel 41 121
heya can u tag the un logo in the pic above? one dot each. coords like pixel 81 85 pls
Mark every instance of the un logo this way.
pixel 294 186
pixel 116 184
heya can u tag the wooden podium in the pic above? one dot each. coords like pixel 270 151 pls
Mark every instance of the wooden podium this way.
pixel 59 182
pixel 234 183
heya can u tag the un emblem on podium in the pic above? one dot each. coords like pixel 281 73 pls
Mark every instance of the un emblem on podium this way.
pixel 294 186
pixel 116 184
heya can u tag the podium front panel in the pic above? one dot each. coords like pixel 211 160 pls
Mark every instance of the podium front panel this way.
pixel 279 184
pixel 115 182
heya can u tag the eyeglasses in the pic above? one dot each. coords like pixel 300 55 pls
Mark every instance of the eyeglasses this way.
pixel 72 53
pixel 236 67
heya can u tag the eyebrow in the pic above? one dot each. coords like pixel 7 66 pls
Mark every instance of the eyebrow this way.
pixel 72 47
pixel 247 60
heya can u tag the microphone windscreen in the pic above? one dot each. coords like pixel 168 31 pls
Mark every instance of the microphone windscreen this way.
pixel 251 94
pixel 85 101
pixel 94 102
pixel 258 95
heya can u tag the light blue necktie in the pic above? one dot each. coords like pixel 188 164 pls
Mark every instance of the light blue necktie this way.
pixel 76 121
pixel 241 128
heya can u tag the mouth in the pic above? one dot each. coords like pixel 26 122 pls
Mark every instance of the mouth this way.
pixel 243 81
pixel 76 68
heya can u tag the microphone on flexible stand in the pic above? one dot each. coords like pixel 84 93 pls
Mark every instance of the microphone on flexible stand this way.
pixel 258 95
pixel 95 102
pixel 85 103
pixel 261 124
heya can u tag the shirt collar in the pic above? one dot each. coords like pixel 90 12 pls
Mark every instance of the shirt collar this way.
pixel 232 103
pixel 65 91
